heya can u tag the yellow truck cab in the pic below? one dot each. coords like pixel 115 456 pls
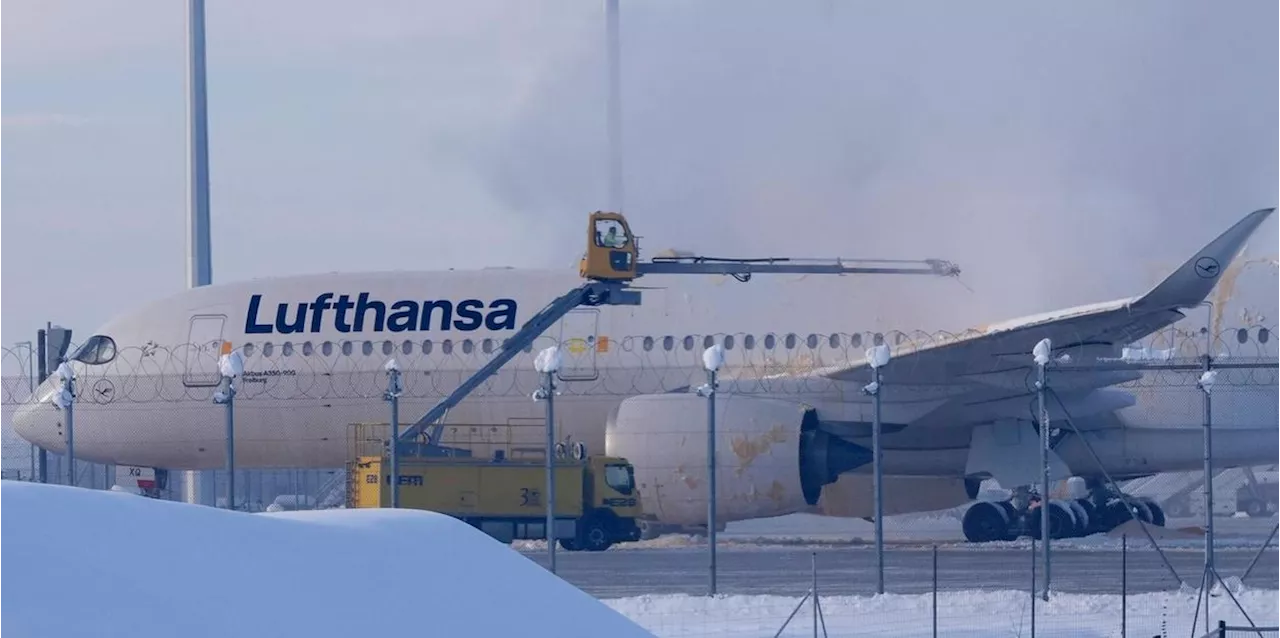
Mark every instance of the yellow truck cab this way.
pixel 596 501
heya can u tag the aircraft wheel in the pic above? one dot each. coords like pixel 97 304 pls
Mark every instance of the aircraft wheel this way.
pixel 1083 521
pixel 1254 508
pixel 985 522
pixel 1140 510
pixel 1062 521
pixel 1156 512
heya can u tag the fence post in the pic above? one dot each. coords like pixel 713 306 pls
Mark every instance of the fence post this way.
pixel 935 591
pixel 1041 356
pixel 1206 386
pixel 814 558
pixel 1033 587
pixel 1124 581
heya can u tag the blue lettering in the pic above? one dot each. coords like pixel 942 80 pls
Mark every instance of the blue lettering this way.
pixel 251 325
pixel 405 315
pixel 470 309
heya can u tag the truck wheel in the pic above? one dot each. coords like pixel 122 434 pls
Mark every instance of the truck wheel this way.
pixel 569 545
pixel 593 536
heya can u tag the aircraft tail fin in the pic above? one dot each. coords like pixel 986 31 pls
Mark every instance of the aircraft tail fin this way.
pixel 1192 282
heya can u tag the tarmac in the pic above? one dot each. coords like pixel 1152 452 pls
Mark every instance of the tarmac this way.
pixel 751 563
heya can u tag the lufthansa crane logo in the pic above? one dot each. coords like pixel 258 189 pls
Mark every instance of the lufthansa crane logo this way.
pixel 104 391
pixel 1207 267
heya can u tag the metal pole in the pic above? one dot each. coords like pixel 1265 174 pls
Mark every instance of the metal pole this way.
pixel 814 558
pixel 200 486
pixel 1124 581
pixel 711 478
pixel 1044 487
pixel 393 395
pixel 1208 491
pixel 231 447
pixel 71 433
pixel 877 480
pixel 935 591
pixel 613 115
pixel 1033 587
pixel 199 264
pixel 551 474
pixel 42 368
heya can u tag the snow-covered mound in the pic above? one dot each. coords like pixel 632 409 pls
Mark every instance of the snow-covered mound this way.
pixel 95 563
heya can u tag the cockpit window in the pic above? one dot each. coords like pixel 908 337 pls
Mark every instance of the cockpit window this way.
pixel 619 477
pixel 98 350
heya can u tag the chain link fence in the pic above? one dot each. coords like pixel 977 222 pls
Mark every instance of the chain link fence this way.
pixel 766 566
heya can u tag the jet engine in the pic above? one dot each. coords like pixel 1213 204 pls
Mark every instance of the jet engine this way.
pixel 771 457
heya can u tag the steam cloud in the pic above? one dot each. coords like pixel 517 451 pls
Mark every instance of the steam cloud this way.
pixel 1061 154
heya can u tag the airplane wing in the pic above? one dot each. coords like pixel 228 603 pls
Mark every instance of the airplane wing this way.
pixel 1000 355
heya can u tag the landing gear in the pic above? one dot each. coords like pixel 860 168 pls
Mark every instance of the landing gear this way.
pixel 1101 511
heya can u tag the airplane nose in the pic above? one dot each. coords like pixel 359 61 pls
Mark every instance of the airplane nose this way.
pixel 39 422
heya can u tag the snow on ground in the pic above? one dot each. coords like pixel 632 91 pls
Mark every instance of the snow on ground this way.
pixel 964 614
pixel 98 563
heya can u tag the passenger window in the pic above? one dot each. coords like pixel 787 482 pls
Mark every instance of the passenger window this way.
pixel 446 346
pixel 367 348
pixel 769 341
pixel 878 339
pixel 790 342
pixel 749 342
pixel 487 346
pixel 834 341
pixel 648 345
pixel 811 341
pixel 728 342
pixel 688 343
pixel 347 348
pixel 426 347
pixel 406 347
pixel 268 349
pixel 248 350
pixel 856 340
pixel 326 348
pixel 388 347
pixel 668 343
pixel 708 341
pixel 287 349
pixel 467 346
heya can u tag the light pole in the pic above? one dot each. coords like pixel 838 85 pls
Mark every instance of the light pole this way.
pixel 1205 383
pixel 712 361
pixel 877 358
pixel 1041 356
pixel 65 399
pixel 230 366
pixel 548 363
pixel 392 395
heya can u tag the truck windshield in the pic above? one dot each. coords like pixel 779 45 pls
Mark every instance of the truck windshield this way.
pixel 619 477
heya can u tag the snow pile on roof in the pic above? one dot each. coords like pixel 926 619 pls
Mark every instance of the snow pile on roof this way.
pixel 97 563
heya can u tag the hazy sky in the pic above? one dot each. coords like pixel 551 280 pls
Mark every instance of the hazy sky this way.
pixel 1060 152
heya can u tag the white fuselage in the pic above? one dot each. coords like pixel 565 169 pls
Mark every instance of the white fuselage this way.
pixel 315 347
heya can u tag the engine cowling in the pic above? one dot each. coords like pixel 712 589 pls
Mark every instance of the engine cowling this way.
pixel 771 458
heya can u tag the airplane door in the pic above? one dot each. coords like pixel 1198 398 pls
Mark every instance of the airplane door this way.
pixel 204 341
pixel 578 345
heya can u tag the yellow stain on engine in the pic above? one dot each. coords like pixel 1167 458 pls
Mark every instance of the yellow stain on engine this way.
pixel 748 449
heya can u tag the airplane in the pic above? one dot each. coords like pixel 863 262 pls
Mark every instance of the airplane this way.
pixel 794 419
